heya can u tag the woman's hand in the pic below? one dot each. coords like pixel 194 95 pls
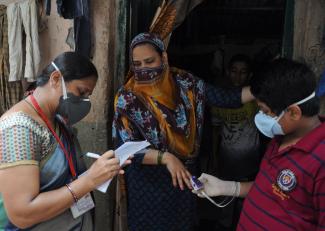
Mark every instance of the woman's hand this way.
pixel 180 175
pixel 104 168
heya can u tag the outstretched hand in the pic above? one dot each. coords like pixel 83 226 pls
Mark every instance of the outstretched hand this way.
pixel 180 175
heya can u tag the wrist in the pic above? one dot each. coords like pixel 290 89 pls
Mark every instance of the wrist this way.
pixel 87 183
pixel 73 194
pixel 229 188
pixel 159 157
pixel 78 188
pixel 166 158
pixel 237 193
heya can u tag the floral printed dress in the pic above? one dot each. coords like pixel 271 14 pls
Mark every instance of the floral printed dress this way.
pixel 170 123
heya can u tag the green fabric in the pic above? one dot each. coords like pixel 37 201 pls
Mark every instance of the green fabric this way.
pixel 3 215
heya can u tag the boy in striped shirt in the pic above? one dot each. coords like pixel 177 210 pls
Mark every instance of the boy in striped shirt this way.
pixel 289 191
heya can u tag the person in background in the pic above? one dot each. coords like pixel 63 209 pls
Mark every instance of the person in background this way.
pixel 163 105
pixel 236 141
pixel 40 159
pixel 288 191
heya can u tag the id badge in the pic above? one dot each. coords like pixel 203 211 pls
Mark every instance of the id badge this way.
pixel 83 205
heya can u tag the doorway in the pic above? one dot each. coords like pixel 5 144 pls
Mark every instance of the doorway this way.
pixel 204 44
pixel 218 29
pixel 211 34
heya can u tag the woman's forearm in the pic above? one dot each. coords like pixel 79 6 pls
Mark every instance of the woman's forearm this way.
pixel 26 206
pixel 47 205
pixel 150 157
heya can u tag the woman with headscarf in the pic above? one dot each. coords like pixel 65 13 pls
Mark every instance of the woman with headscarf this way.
pixel 164 106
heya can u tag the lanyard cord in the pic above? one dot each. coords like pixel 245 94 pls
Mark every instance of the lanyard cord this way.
pixel 46 121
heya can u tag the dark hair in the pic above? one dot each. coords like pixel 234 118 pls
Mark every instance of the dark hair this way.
pixel 72 66
pixel 159 51
pixel 241 58
pixel 284 82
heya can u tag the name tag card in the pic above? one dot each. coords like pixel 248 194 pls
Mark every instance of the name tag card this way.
pixel 83 205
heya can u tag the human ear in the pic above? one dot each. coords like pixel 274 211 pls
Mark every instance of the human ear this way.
pixel 294 112
pixel 55 79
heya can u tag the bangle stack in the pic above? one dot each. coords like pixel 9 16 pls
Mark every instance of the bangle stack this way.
pixel 75 198
pixel 159 157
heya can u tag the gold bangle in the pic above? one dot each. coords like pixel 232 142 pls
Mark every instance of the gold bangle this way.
pixel 159 157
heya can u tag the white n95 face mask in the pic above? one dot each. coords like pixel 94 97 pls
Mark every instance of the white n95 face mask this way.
pixel 269 125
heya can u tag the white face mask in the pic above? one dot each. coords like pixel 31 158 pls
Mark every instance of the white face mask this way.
pixel 269 125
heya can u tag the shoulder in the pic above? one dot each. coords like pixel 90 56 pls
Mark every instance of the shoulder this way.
pixel 22 140
pixel 317 162
pixel 186 79
pixel 314 142
pixel 21 126
pixel 124 98
pixel 318 154
pixel 21 119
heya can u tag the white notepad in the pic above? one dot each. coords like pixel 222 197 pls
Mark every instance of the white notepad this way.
pixel 123 153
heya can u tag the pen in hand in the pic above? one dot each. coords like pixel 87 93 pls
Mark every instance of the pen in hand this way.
pixel 92 155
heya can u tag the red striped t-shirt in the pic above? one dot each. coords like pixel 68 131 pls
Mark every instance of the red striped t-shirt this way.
pixel 289 190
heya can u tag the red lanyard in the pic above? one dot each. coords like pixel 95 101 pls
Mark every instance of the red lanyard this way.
pixel 45 119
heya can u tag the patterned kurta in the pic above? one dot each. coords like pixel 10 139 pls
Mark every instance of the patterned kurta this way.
pixel 153 202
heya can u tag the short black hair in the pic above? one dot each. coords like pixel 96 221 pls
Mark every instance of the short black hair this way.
pixel 284 82
pixel 241 58
pixel 72 65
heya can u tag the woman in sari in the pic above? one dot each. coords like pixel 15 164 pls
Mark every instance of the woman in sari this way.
pixel 164 106
pixel 39 155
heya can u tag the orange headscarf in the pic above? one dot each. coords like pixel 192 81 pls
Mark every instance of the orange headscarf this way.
pixel 165 97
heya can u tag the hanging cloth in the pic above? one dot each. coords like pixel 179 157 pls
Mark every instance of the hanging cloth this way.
pixel 79 11
pixel 10 92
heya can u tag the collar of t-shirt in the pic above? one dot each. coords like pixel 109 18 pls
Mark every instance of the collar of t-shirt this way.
pixel 306 144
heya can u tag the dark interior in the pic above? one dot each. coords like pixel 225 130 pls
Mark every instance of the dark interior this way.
pixel 224 28
pixel 218 28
